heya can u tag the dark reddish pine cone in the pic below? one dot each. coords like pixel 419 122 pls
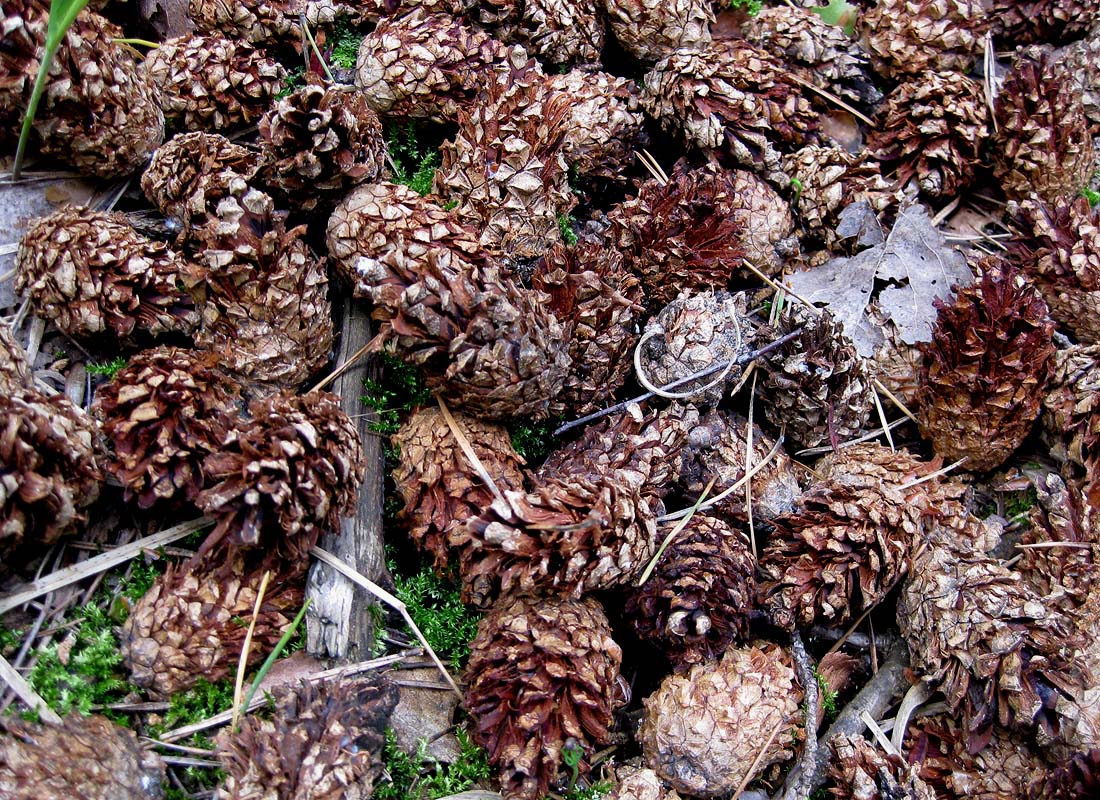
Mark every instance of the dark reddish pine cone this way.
pixel 284 476
pixel 102 761
pixel 543 677
pixel 860 769
pixel 192 623
pixel 324 742
pixel 1078 778
pixel 1071 409
pixel 553 31
pixel 24 25
pixel 697 601
pixel 162 414
pixel 986 368
pixel 93 275
pixel 441 489
pixel 1042 21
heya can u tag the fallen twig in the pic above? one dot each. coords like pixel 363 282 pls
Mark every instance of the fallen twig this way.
pixel 28 695
pixel 805 671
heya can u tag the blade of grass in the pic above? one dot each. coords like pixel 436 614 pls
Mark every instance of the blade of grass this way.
pixel 63 14
pixel 271 659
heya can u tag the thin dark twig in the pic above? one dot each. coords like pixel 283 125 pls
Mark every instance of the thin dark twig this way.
pixel 801 789
pixel 713 368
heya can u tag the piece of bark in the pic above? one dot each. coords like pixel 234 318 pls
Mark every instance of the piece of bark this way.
pixel 424 712
pixel 339 623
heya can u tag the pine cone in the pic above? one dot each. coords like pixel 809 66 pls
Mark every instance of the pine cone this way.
pixel 324 742
pixel 817 387
pixel 92 274
pixel 555 31
pixel 651 29
pixel 1043 141
pixel 192 172
pixel 693 333
pixel 15 372
pixel 485 344
pixel 732 96
pixel 703 730
pixel 1002 770
pixel 592 294
pixel 639 783
pixel 982 635
pixel 284 476
pixel 390 220
pixel 825 54
pixel 716 448
pixel 831 179
pixel 192 622
pixel 268 315
pixel 910 37
pixel 985 368
pixel 1078 59
pixel 48 470
pixel 1058 246
pixel 542 677
pixel 766 222
pixel 934 128
pixel 211 83
pixel 848 544
pixel 507 168
pixel 439 485
pixel 276 22
pixel 860 771
pixel 686 234
pixel 425 65
pixel 896 363
pixel 163 414
pixel 1076 779
pixel 697 601
pixel 604 126
pixel 1071 407
pixel 318 142
pixel 98 112
pixel 1042 21
pixel 83 758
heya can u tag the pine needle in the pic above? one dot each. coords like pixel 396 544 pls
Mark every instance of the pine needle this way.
pixel 648 571
pixel 246 648
pixel 468 450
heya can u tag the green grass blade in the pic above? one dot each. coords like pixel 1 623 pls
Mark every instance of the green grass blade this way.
pixel 274 656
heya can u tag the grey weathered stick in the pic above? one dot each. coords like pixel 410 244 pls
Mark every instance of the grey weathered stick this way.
pixel 339 623
pixel 25 693
pixel 887 685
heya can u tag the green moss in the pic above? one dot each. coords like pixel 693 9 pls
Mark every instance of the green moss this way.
pixel 593 792
pixel 565 228
pixel 414 164
pixel 345 45
pixel 421 777
pixel 435 605
pixel 1091 195
pixel 107 369
pixel 752 7
pixel 400 389
pixel 828 698
pixel 533 440
pixel 1018 504
pixel 201 701
pixel 295 79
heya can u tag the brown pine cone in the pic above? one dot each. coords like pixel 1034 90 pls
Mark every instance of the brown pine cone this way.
pixel 1071 407
pixel 697 601
pixel 211 83
pixel 933 128
pixel 1076 779
pixel 268 313
pixel 732 97
pixel 506 167
pixel 703 730
pixel 716 448
pixel 817 388
pixel 15 372
pixel 48 470
pixel 384 219
pixel 555 31
pixel 1043 143
pixel 766 221
pixel 639 783
pixel 323 742
pixel 651 29
pixel 848 544
pixel 686 234
pixel 98 112
pixel 910 37
pixel 986 638
pixel 192 622
pixel 1042 21
pixel 92 274
pixel 162 415
pixel 284 476
pixel 425 65
pixel 1078 59
pixel 827 56
pixel 986 368
pixel 592 294
pixel 276 22
pixel 83 758
pixel 604 126
pixel 1058 246
pixel 693 333
pixel 440 487
pixel 487 345
pixel 192 172
pixel 860 770
pixel 542 678
pixel 318 142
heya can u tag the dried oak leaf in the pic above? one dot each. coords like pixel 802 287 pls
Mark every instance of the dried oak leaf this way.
pixel 914 258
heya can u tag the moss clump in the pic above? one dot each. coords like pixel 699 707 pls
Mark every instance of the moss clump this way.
pixel 414 162
pixel 107 369
pixel 435 605
pixel 400 389
pixel 421 777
